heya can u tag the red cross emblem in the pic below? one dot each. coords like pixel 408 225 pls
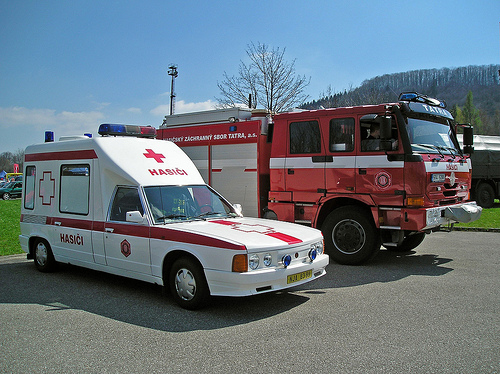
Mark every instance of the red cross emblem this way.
pixel 157 156
pixel 47 188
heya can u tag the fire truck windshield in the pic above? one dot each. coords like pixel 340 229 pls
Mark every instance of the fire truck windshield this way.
pixel 431 137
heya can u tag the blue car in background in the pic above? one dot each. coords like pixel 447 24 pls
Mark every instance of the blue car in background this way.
pixel 11 190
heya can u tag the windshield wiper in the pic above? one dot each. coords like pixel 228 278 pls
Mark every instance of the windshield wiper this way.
pixel 430 146
pixel 202 215
pixel 163 218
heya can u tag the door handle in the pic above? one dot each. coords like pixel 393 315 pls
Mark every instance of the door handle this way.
pixel 109 229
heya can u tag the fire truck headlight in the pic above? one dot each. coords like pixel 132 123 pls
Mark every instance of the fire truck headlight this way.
pixel 438 178
pixel 253 262
pixel 433 216
pixel 268 259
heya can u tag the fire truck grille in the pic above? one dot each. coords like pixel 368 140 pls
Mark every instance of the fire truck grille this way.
pixel 447 202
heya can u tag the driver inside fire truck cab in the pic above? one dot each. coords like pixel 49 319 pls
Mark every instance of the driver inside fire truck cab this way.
pixel 371 138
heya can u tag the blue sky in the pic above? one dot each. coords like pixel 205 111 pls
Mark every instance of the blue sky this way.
pixel 68 66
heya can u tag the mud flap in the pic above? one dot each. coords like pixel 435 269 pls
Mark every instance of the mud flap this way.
pixel 464 213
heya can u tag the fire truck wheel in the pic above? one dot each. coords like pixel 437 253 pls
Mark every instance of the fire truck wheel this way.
pixel 485 196
pixel 188 285
pixel 350 236
pixel 6 196
pixel 409 243
pixel 44 259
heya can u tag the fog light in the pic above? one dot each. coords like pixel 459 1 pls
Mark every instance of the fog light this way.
pixel 253 262
pixel 286 260
pixel 313 253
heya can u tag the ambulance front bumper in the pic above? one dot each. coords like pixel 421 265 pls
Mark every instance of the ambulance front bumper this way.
pixel 466 212
pixel 258 281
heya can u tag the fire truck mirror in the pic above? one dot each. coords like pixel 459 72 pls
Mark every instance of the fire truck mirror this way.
pixel 386 128
pixel 468 135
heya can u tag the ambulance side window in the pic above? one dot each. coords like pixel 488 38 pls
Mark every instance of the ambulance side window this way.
pixel 342 135
pixel 305 137
pixel 29 183
pixel 126 200
pixel 75 188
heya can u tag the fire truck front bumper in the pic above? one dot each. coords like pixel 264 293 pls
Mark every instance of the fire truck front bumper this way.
pixel 466 212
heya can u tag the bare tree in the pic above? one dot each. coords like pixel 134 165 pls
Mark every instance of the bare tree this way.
pixel 268 78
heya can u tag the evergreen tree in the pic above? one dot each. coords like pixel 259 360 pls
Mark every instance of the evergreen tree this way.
pixel 471 114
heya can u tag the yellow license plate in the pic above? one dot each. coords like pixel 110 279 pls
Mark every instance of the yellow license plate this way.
pixel 299 276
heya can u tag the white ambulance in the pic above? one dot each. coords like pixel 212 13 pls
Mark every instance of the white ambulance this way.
pixel 138 207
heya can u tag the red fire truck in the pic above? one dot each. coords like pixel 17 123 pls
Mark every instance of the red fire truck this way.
pixel 366 176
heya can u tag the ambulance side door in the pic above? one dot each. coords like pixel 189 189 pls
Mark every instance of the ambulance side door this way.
pixel 126 244
pixel 73 223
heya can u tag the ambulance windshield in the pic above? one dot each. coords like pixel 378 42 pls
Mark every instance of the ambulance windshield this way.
pixel 170 204
pixel 431 137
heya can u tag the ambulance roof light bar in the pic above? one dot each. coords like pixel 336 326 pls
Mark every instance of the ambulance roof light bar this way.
pixel 107 129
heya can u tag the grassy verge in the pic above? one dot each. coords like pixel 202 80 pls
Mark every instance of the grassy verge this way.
pixel 10 212
pixel 490 219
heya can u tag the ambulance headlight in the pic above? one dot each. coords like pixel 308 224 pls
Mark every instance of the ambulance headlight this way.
pixel 253 262
pixel 268 259
pixel 320 247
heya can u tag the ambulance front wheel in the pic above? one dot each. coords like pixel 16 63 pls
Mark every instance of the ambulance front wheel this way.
pixel 44 259
pixel 188 285
pixel 350 236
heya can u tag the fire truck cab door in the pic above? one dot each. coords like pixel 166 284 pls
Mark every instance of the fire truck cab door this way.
pixel 379 173
pixel 127 244
pixel 305 162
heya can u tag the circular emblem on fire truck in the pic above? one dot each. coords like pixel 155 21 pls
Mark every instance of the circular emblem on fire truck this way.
pixel 383 179
pixel 126 248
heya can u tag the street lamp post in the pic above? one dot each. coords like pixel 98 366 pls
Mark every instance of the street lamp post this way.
pixel 172 71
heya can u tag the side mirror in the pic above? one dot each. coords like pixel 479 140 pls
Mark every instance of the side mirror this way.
pixel 386 128
pixel 238 208
pixel 386 134
pixel 135 216
pixel 468 139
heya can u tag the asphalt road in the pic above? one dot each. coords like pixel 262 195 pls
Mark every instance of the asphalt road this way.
pixel 436 310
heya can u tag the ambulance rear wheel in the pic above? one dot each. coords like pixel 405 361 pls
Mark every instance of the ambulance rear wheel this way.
pixel 350 236
pixel 188 285
pixel 44 259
